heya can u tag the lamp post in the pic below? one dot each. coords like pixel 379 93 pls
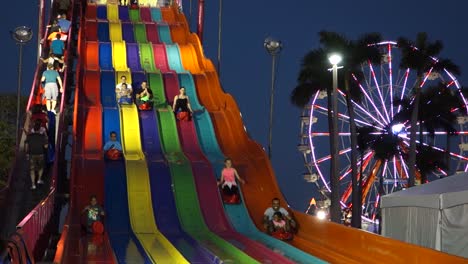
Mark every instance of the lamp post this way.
pixel 21 35
pixel 273 47
pixel 335 208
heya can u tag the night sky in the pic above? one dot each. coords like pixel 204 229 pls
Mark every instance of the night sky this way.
pixel 246 66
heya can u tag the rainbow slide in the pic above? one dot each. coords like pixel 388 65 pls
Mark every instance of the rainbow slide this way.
pixel 162 204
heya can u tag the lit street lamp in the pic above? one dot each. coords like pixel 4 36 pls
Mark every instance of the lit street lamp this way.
pixel 335 207
pixel 21 35
pixel 273 47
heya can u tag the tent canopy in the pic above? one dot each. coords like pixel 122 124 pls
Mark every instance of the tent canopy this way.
pixel 444 193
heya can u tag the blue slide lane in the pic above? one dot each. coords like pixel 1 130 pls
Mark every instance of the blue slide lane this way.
pixel 126 246
pixel 103 32
pixel 102 12
pixel 105 56
pixel 237 214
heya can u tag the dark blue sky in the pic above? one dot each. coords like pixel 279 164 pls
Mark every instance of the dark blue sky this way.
pixel 246 67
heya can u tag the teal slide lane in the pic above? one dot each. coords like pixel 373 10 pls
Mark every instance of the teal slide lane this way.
pixel 238 214
pixel 173 58
pixel 156 15
pixel 164 34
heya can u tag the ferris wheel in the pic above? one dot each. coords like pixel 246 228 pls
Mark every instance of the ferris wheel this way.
pixel 383 86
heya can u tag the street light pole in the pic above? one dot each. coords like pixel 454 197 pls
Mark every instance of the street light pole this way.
pixel 273 47
pixel 21 35
pixel 335 208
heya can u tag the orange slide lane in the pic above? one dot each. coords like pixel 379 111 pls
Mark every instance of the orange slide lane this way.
pixel 328 241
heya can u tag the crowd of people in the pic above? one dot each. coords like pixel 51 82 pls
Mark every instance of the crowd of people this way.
pixel 51 84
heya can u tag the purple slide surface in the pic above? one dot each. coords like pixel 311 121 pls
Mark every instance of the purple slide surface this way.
pixel 127 33
pixel 133 57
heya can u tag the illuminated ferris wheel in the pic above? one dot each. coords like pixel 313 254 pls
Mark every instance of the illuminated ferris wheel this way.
pixel 381 110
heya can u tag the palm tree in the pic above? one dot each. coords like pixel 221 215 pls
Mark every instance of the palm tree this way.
pixel 440 107
pixel 419 56
pixel 355 53
pixel 313 77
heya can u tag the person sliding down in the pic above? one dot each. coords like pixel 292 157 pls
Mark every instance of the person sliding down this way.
pixel 230 192
pixel 281 228
pixel 112 148
pixel 144 97
pixel 181 106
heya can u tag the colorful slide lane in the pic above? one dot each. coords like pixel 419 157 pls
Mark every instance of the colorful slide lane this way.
pixel 158 248
pixel 127 247
pixel 205 181
pixel 119 62
pixel 142 221
pixel 164 206
pixel 328 241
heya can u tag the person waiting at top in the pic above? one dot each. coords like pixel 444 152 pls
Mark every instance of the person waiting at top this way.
pixel 123 2
pixel 94 213
pixel 64 23
pixel 51 77
pixel 145 95
pixel 34 147
pixel 269 212
pixel 112 148
pixel 124 94
pixel 181 106
pixel 57 47
pixel 228 178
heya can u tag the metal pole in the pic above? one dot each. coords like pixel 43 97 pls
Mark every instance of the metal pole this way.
pixel 272 93
pixel 201 18
pixel 335 184
pixel 220 17
pixel 40 27
pixel 18 95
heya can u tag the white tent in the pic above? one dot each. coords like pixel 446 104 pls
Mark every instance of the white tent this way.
pixel 433 215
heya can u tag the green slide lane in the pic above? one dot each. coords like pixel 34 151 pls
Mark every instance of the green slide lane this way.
pixel 156 85
pixel 146 57
pixel 134 15
pixel 140 33
pixel 185 193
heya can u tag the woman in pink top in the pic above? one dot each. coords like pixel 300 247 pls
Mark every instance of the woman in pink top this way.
pixel 228 178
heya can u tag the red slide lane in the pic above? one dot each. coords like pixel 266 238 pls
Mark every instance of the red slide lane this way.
pixel 91 28
pixel 160 58
pixel 328 241
pixel 145 15
pixel 92 56
pixel 212 209
pixel 91 12
pixel 152 33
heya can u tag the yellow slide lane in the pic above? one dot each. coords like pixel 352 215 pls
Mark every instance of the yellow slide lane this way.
pixel 158 248
pixel 119 56
pixel 112 13
pixel 115 31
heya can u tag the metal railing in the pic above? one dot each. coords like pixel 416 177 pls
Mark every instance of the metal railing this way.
pixel 32 226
